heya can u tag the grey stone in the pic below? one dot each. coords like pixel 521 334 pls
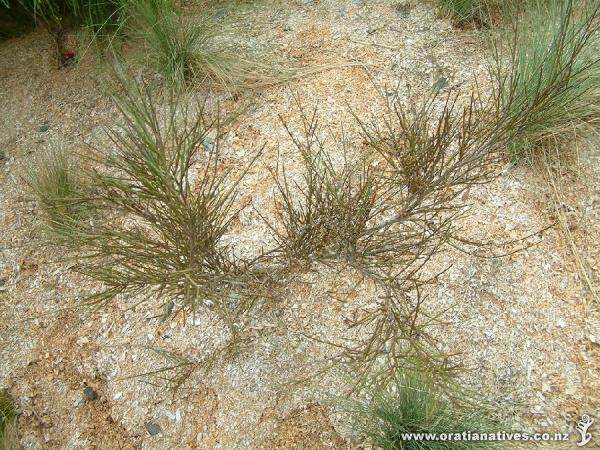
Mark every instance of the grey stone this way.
pixel 152 428
pixel 90 394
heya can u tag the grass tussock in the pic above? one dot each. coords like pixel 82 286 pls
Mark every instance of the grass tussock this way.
pixel 188 48
pixel 184 45
pixel 415 403
pixel 62 193
pixel 103 16
pixel 469 12
pixel 175 45
pixel 8 431
pixel 166 203
pixel 549 72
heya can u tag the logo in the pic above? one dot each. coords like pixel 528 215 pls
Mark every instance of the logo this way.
pixel 582 427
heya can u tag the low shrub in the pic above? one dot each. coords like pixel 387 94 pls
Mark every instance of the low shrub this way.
pixel 326 216
pixel 387 213
pixel 163 223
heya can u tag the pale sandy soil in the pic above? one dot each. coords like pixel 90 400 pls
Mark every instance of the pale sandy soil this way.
pixel 526 326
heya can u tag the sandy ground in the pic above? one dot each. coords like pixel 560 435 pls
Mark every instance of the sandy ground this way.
pixel 526 326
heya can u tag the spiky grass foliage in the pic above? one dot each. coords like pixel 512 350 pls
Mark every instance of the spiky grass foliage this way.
pixel 175 45
pixel 8 438
pixel 465 12
pixel 188 48
pixel 548 74
pixel 62 192
pixel 414 402
pixel 164 222
pixel 101 15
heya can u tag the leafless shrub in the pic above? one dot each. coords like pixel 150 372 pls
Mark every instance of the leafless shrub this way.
pixel 398 212
pixel 325 215
pixel 162 228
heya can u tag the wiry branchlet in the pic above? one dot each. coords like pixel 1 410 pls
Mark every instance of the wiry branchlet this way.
pixel 393 335
pixel 389 215
pixel 324 217
pixel 431 158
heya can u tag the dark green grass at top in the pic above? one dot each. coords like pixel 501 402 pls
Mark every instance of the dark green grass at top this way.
pixel 413 403
pixel 104 16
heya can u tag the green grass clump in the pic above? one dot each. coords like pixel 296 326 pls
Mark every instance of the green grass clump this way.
pixel 548 75
pixel 175 44
pixel 61 191
pixel 414 403
pixel 101 15
pixel 464 12
pixel 189 48
pixel 8 438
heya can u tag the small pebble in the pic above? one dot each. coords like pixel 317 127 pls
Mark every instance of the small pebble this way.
pixel 90 394
pixel 152 428
pixel 440 84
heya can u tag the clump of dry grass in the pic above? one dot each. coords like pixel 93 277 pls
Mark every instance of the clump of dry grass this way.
pixel 189 48
pixel 62 192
